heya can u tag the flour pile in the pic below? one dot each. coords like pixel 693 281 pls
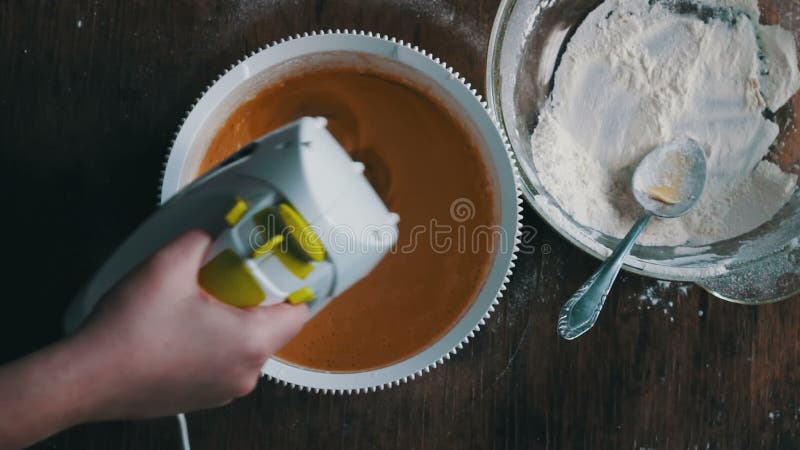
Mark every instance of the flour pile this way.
pixel 636 75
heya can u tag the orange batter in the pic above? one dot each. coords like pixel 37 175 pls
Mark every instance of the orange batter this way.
pixel 420 160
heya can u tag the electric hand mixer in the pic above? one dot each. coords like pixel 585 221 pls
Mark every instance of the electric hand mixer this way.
pixel 295 220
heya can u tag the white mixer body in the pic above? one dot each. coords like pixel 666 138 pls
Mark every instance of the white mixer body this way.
pixel 294 218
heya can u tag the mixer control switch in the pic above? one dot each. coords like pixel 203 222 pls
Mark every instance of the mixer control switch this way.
pixel 301 232
pixel 271 245
pixel 235 214
pixel 227 278
pixel 301 295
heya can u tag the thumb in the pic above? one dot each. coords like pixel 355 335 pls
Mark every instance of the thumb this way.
pixel 274 326
pixel 181 259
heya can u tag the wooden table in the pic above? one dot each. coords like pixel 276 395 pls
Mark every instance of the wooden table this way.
pixel 90 96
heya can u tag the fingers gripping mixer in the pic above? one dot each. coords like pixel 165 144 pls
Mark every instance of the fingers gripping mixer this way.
pixel 294 217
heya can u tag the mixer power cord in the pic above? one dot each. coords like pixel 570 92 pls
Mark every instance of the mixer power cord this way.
pixel 184 430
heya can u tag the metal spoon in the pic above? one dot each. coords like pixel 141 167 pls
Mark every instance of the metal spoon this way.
pixel 667 183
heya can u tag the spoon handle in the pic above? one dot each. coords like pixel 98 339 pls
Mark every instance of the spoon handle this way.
pixel 580 312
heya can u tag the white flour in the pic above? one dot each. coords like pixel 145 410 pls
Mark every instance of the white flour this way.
pixel 635 76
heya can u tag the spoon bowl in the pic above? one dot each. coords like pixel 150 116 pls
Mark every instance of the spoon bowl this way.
pixel 676 169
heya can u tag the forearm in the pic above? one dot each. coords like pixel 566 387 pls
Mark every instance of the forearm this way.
pixel 156 345
pixel 46 392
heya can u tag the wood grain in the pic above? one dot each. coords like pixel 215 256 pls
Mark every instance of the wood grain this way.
pixel 90 96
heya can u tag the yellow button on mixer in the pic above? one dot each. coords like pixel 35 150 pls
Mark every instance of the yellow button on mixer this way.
pixel 301 295
pixel 227 278
pixel 301 232
pixel 234 215
pixel 271 244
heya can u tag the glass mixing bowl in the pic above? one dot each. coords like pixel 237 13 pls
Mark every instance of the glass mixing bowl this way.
pixel 760 266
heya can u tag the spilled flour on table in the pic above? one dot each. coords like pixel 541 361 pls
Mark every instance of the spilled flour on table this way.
pixel 663 295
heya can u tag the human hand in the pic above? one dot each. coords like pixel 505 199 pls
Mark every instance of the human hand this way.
pixel 164 346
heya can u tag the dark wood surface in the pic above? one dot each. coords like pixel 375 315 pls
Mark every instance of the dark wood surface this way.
pixel 90 96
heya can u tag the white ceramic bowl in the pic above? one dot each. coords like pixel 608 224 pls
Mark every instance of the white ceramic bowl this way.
pixel 384 55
